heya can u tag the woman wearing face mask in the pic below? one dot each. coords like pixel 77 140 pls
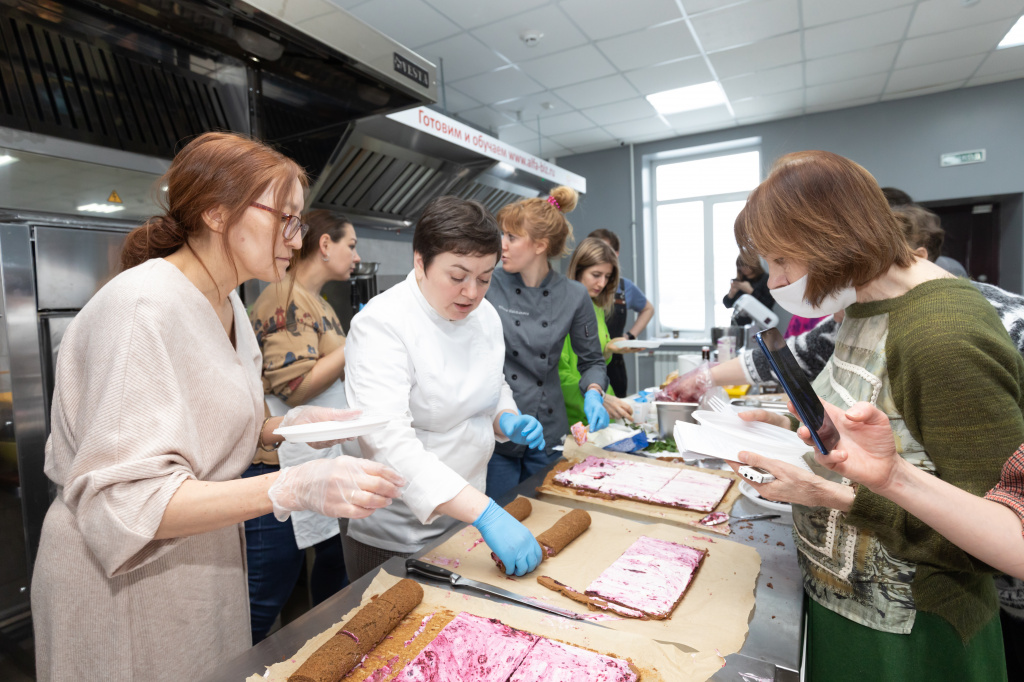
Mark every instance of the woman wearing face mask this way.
pixel 595 266
pixel 539 308
pixel 303 349
pixel 157 409
pixel 890 598
pixel 429 351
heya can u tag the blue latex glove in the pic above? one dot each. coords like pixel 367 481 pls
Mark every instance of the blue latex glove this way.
pixel 522 429
pixel 593 407
pixel 509 539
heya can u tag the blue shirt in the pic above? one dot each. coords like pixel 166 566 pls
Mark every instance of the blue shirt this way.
pixel 635 299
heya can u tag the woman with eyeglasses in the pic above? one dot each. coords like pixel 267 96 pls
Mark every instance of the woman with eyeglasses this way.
pixel 157 410
pixel 303 348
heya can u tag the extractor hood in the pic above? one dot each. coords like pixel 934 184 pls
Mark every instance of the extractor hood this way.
pixel 146 76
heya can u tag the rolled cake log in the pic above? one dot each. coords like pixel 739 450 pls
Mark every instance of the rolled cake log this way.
pixel 558 536
pixel 361 634
pixel 519 508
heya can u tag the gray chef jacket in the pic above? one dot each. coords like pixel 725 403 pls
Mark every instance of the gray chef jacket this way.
pixel 535 322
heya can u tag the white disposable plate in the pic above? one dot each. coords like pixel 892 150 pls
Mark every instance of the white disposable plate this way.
pixel 643 344
pixel 353 428
pixel 754 434
pixel 748 492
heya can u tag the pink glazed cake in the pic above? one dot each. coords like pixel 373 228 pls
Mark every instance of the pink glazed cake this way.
pixel 651 576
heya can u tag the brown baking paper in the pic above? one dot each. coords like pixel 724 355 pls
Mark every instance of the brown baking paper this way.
pixel 656 662
pixel 714 611
pixel 575 453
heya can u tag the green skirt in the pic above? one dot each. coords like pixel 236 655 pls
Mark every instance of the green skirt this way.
pixel 839 649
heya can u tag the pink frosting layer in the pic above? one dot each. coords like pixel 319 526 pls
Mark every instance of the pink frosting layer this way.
pixel 470 649
pixel 651 576
pixel 648 482
pixel 553 661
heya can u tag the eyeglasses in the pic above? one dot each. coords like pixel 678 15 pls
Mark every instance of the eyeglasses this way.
pixel 293 226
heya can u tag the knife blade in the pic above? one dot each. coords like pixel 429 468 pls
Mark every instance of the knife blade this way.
pixel 456 580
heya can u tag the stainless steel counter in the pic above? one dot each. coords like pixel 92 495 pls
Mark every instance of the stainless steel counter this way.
pixel 772 650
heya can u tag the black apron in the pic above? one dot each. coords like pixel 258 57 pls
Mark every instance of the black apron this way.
pixel 616 322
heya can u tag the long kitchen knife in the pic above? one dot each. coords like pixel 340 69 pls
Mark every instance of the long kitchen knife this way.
pixel 456 580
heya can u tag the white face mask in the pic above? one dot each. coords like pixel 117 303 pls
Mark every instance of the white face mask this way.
pixel 791 298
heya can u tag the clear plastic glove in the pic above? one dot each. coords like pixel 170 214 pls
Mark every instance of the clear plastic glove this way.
pixel 522 429
pixel 342 487
pixel 509 539
pixel 311 414
pixel 593 407
pixel 690 387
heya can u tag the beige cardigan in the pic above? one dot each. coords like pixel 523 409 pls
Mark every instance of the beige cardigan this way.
pixel 149 393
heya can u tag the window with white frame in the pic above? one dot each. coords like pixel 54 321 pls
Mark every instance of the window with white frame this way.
pixel 694 202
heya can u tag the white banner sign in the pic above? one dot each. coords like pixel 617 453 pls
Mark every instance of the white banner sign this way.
pixel 441 126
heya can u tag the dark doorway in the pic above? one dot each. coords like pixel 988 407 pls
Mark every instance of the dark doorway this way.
pixel 972 236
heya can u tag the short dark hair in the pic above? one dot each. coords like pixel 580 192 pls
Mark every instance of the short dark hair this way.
pixel 606 236
pixel 896 197
pixel 449 224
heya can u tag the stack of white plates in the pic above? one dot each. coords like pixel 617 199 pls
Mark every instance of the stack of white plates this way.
pixel 725 435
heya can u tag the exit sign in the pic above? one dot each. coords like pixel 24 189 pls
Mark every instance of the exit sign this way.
pixel 962 158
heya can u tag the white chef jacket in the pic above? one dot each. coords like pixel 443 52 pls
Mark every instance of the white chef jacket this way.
pixel 445 382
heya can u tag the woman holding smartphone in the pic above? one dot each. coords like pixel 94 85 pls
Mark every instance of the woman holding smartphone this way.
pixel 890 598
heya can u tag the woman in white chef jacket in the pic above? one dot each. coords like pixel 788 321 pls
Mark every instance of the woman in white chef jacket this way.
pixel 303 348
pixel 430 352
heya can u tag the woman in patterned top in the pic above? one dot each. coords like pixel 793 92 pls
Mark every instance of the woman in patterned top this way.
pixel 889 597
pixel 303 364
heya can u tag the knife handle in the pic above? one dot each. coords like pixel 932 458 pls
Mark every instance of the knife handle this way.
pixel 430 570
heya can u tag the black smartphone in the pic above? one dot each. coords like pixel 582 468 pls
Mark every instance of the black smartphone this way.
pixel 798 388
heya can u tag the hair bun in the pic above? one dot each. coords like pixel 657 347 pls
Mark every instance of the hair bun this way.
pixel 566 198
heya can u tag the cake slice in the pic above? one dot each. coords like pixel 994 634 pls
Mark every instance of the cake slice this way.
pixel 470 649
pixel 553 661
pixel 651 576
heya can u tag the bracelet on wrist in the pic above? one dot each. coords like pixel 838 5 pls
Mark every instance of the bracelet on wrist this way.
pixel 263 446
pixel 630 336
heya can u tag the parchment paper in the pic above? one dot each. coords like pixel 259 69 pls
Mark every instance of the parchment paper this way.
pixel 713 614
pixel 656 662
pixel 575 453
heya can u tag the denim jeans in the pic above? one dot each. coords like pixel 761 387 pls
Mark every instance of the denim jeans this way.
pixel 275 562
pixel 505 473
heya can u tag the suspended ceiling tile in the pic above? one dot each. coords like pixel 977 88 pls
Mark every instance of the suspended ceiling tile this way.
pixel 853 89
pixel 544 104
pixel 844 104
pixel 765 82
pixel 545 150
pixel 775 116
pixel 848 65
pixel 633 130
pixel 856 34
pixel 996 78
pixel 934 16
pixel 747 23
pixel 472 13
pixel 629 110
pixel 817 12
pixel 922 91
pixel 463 56
pixel 606 18
pixel 692 119
pixel 769 104
pixel 599 91
pixel 496 86
pixel 411 22
pixel 693 7
pixel 767 54
pixel 1002 61
pixel 651 46
pixel 572 66
pixel 516 133
pixel 596 147
pixel 346 4
pixel 583 138
pixel 565 123
pixel 668 76
pixel 952 44
pixel 506 36
pixel 456 101
pixel 939 73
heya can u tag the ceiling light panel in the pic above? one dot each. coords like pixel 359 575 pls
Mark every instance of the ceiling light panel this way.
pixel 690 98
pixel 1013 37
